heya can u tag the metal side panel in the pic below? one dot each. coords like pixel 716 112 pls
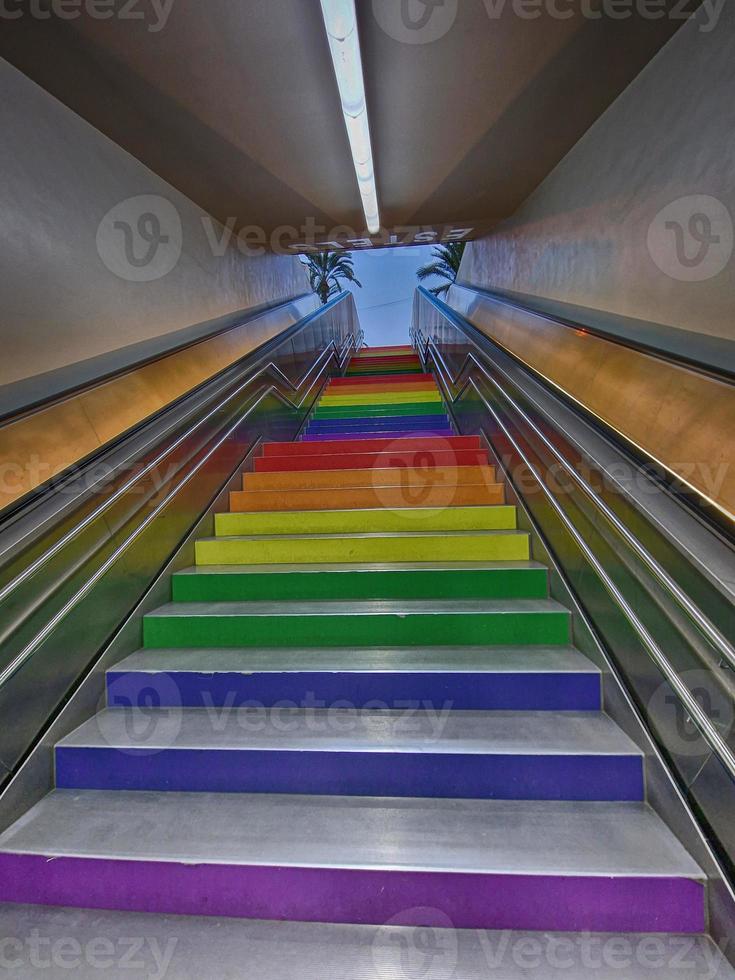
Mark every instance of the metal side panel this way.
pixel 649 581
pixel 72 568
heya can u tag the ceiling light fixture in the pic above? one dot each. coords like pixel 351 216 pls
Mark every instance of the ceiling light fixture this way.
pixel 340 20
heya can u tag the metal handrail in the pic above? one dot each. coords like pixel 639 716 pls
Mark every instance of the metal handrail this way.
pixel 715 636
pixel 691 363
pixel 39 562
pixel 71 390
pixel 331 351
pixel 426 348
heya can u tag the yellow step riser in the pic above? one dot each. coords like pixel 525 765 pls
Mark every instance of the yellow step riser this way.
pixel 383 521
pixel 403 548
pixel 462 495
pixel 449 476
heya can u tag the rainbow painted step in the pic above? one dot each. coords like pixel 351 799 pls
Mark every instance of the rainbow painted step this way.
pixel 453 678
pixel 613 866
pixel 381 381
pixel 388 476
pixel 411 546
pixel 366 498
pixel 371 446
pixel 422 459
pixel 487 622
pixel 380 520
pixel 383 408
pixel 462 754
pixel 431 424
pixel 288 583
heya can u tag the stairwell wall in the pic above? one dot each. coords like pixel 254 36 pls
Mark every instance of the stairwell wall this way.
pixel 99 254
pixel 595 234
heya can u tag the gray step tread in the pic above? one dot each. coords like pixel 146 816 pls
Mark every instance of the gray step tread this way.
pixel 474 836
pixel 455 660
pixel 426 566
pixel 537 733
pixel 362 607
pixel 185 948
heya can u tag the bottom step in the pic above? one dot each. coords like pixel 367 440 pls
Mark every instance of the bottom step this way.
pixel 183 948
pixel 495 864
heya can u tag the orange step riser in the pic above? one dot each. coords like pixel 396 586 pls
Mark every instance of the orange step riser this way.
pixel 422 461
pixel 427 495
pixel 370 479
pixel 326 447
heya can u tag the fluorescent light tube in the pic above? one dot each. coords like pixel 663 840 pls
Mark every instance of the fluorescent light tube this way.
pixel 340 20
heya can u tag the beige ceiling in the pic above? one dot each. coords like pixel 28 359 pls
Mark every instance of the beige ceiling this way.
pixel 234 102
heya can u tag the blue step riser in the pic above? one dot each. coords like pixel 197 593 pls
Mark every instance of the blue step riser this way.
pixel 383 421
pixel 512 777
pixel 461 692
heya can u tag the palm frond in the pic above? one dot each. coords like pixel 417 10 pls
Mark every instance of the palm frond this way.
pixel 327 270
pixel 447 259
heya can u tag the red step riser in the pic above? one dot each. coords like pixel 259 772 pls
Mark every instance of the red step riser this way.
pixel 436 443
pixel 377 380
pixel 424 461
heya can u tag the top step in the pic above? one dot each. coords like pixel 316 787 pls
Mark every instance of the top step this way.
pixel 372 351
pixel 441 443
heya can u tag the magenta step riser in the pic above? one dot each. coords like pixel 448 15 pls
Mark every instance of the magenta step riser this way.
pixel 378 443
pixel 472 901
pixel 371 435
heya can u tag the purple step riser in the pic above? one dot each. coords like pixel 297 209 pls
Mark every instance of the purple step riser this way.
pixel 472 901
pixel 461 691
pixel 381 774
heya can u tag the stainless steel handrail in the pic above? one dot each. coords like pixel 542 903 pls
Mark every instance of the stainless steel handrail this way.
pixel 715 636
pixel 42 559
pixel 451 384
pixel 316 369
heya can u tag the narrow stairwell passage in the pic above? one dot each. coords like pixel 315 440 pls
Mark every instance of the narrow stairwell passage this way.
pixel 365 706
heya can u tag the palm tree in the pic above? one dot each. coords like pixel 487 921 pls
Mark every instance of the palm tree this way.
pixel 327 270
pixel 447 259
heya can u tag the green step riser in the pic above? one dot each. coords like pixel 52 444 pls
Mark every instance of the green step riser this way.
pixel 380 411
pixel 507 629
pixel 498 517
pixel 528 583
